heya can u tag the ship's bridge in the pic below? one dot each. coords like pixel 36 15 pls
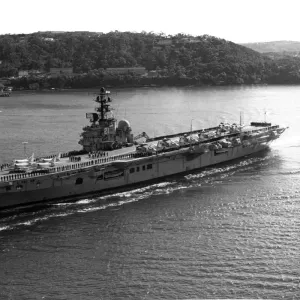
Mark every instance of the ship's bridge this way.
pixel 103 133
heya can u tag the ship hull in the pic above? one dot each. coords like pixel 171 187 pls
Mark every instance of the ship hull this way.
pixel 71 185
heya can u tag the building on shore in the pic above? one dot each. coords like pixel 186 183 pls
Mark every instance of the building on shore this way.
pixel 124 71
pixel 55 72
pixel 23 73
pixel 152 74
pixel 164 42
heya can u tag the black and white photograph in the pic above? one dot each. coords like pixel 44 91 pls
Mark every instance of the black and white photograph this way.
pixel 149 150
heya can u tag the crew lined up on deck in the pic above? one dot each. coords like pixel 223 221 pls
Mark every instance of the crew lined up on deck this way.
pixel 75 158
pixel 96 154
pixel 4 166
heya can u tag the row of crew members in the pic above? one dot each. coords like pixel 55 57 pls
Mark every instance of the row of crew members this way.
pixel 75 158
pixel 144 154
pixel 4 166
pixel 97 154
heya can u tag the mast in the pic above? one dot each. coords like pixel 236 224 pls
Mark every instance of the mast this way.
pixel 241 118
pixel 104 107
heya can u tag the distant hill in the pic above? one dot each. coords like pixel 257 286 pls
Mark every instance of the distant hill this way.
pixel 276 46
pixel 174 60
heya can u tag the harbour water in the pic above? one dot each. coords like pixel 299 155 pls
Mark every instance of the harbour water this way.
pixel 229 231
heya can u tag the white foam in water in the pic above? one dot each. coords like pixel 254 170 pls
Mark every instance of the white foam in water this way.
pixel 28 222
pixel 62 215
pixel 91 209
pixel 97 208
pixel 63 204
pixel 4 228
pixel 214 171
pixel 34 221
pixel 136 195
pixel 131 196
pixel 113 204
pixel 163 184
pixel 85 201
pixel 130 193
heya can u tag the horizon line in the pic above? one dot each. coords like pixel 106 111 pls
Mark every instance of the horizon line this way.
pixel 144 31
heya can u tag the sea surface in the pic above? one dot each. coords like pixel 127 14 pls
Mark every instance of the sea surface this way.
pixel 229 231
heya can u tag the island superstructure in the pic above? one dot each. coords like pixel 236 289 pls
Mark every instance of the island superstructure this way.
pixel 112 158
pixel 103 133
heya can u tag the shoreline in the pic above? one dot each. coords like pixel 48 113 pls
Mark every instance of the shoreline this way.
pixel 150 86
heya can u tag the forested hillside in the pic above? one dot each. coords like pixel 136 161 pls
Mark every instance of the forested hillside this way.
pixel 177 60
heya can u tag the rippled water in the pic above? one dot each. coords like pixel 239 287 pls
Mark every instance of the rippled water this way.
pixel 231 231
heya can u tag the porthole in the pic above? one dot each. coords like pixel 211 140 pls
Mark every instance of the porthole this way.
pixel 79 180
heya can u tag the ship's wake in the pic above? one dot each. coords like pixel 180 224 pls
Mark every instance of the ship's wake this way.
pixel 18 218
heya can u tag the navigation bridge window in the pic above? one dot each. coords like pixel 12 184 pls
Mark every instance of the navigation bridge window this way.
pixel 131 170
pixel 149 166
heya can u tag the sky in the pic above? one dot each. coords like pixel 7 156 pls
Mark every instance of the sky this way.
pixel 238 21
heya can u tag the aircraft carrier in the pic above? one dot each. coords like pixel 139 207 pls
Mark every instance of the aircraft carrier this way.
pixel 112 158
